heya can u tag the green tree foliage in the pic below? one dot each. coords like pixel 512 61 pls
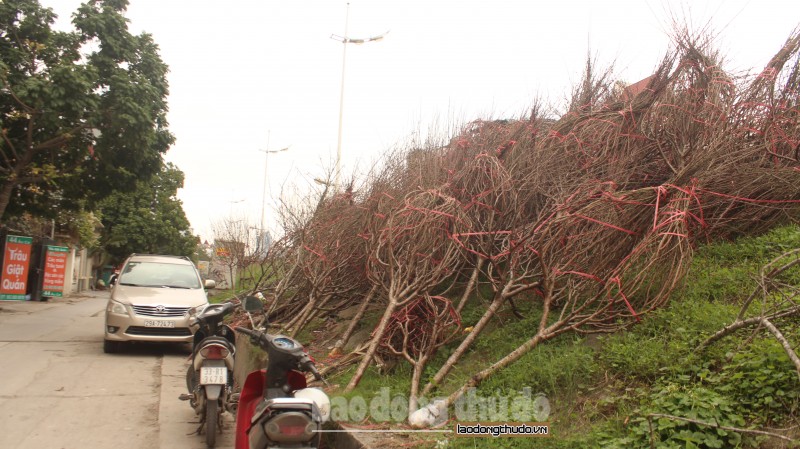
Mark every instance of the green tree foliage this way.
pixel 82 113
pixel 148 220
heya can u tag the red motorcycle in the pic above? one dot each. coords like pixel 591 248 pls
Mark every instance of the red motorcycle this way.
pixel 276 408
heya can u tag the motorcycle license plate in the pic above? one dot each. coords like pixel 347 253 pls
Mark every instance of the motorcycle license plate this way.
pixel 213 375
pixel 158 323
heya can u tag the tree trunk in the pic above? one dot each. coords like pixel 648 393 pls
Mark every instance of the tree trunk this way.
pixel 12 179
pixel 512 357
pixel 309 314
pixel 373 345
pixel 5 196
pixel 312 314
pixel 300 320
pixel 785 343
pixel 413 397
pixel 736 325
pixel 471 284
pixel 544 333
pixel 283 284
pixel 465 344
pixel 337 348
pixel 294 325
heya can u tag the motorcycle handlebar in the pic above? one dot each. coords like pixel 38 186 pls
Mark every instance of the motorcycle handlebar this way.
pixel 255 336
pixel 244 330
pixel 258 338
pixel 216 310
pixel 313 370
pixel 249 332
pixel 230 306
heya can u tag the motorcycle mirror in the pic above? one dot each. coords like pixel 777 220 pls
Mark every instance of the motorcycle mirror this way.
pixel 252 304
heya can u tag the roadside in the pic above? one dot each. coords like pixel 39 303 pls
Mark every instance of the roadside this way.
pixel 27 307
pixel 175 421
pixel 60 390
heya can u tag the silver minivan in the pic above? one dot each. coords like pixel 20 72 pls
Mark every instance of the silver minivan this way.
pixel 151 299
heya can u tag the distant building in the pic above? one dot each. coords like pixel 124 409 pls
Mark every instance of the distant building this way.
pixel 264 242
pixel 227 256
pixel 632 91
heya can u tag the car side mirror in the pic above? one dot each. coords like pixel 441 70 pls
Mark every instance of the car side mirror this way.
pixel 252 304
pixel 112 280
pixel 209 284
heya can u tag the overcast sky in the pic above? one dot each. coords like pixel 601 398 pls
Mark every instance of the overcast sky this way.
pixel 250 75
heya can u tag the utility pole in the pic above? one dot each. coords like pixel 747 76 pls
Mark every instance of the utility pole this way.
pixel 344 39
pixel 267 152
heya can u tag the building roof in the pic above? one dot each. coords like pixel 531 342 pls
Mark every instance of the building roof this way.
pixel 630 92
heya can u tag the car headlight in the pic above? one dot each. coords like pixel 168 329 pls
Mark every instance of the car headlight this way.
pixel 116 307
pixel 192 313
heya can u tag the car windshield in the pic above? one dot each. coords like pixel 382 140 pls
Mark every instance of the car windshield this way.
pixel 154 274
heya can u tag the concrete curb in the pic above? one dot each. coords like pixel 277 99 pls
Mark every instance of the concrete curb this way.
pixel 341 439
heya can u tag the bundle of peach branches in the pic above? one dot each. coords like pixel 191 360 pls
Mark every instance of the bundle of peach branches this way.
pixel 592 217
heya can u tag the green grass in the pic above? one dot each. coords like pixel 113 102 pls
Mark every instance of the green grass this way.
pixel 601 388
pixel 244 284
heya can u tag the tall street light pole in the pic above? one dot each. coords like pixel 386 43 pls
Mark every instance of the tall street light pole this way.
pixel 344 39
pixel 264 193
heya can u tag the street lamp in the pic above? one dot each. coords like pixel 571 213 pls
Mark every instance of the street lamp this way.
pixel 264 193
pixel 346 40
pixel 232 202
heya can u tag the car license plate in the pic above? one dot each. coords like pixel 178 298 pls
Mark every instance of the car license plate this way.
pixel 213 375
pixel 158 323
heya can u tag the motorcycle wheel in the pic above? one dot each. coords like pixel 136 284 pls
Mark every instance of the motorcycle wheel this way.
pixel 212 417
pixel 192 378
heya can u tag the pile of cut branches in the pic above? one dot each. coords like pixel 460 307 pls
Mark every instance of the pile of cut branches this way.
pixel 593 216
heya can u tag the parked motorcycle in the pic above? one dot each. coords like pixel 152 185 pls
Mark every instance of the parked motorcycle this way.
pixel 276 409
pixel 209 378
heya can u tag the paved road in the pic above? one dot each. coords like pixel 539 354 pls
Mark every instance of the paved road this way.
pixel 59 390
